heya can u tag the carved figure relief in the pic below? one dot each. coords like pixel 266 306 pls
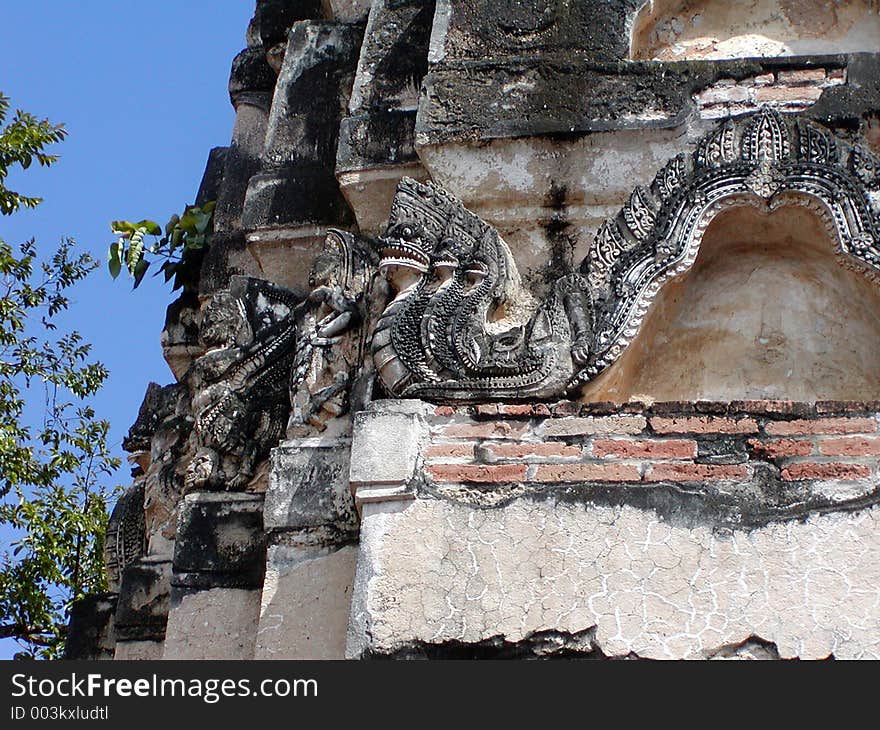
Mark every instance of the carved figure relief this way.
pixel 144 518
pixel 125 539
pixel 241 402
pixel 461 326
pixel 331 343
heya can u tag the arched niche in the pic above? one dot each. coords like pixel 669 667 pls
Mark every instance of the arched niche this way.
pixel 765 311
pixel 674 30
pixel 747 269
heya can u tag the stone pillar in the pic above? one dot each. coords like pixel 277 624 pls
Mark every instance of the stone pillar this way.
pixel 388 442
pixel 312 528
pixel 142 609
pixel 295 196
pixel 250 89
pixel 377 138
pixel 219 558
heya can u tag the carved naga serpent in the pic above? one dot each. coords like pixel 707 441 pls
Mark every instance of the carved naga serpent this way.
pixel 461 324
pixel 461 327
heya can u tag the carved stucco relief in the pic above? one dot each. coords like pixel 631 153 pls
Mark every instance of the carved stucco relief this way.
pixel 461 326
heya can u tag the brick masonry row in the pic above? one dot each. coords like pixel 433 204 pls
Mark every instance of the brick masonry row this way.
pixel 527 442
pixel 786 90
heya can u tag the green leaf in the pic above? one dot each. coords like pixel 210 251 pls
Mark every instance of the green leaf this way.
pixel 172 222
pixel 114 263
pixel 121 227
pixel 139 272
pixel 150 227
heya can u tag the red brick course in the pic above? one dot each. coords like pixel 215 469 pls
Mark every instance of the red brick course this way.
pixel 801 94
pixel 450 451
pixel 594 424
pixel 811 470
pixel 491 473
pixel 587 473
pixel 850 446
pixel 650 443
pixel 806 427
pixel 674 472
pixel 645 449
pixel 802 76
pixel 485 430
pixel 524 450
pixel 704 424
pixel 781 448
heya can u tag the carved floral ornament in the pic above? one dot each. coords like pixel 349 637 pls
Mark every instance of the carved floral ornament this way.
pixel 461 327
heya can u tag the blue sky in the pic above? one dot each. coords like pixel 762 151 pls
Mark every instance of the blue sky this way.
pixel 142 90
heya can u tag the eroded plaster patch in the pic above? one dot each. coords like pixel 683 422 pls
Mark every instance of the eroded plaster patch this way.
pixel 437 572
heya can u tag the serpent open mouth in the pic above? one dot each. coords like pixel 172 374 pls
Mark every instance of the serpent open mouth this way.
pixel 397 252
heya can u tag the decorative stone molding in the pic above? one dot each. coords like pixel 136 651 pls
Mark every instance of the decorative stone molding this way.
pixel 767 160
pixel 462 327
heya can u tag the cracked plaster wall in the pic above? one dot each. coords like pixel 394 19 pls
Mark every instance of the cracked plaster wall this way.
pixel 433 571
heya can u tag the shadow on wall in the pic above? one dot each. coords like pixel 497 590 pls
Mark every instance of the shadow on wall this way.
pixel 768 310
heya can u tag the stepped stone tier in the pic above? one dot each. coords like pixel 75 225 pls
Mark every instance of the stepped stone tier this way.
pixel 529 329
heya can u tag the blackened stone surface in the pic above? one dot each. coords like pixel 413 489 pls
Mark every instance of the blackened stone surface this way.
pixel 144 601
pixel 251 75
pixel 297 183
pixel 126 538
pixel 308 490
pixel 90 633
pixel 223 261
pixel 155 407
pixel 393 62
pixel 539 645
pixel 220 542
pixel 594 29
pixel 274 17
pixel 299 193
pixel 181 317
pixel 561 94
pixel 376 139
pixel 846 106
pixel 212 178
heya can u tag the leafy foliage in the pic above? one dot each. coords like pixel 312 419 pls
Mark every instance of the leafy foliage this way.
pixel 21 142
pixel 53 450
pixel 179 243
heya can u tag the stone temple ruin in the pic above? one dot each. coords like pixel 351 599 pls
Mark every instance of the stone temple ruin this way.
pixel 529 328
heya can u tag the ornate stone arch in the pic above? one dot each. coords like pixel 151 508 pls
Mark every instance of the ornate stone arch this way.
pixel 460 329
pixel 766 159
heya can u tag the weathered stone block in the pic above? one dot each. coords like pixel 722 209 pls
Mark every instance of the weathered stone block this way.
pixel 220 541
pixel 642 584
pixel 143 602
pixel 387 442
pixel 216 623
pixel 296 184
pixel 309 488
pixel 90 631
